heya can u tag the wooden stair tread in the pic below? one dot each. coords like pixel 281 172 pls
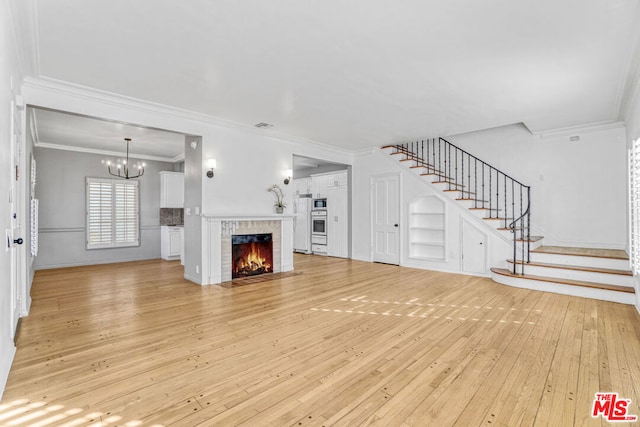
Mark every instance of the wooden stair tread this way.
pixel 531 239
pixel 577 268
pixel 468 199
pixel 462 191
pixel 604 286
pixel 586 252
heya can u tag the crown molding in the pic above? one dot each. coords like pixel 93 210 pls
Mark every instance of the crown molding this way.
pixel 580 129
pixel 25 35
pixel 40 144
pixel 110 98
pixel 629 85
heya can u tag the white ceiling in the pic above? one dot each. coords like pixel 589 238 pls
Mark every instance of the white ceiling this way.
pixel 353 73
pixel 60 130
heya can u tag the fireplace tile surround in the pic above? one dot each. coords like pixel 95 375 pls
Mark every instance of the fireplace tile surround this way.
pixel 219 230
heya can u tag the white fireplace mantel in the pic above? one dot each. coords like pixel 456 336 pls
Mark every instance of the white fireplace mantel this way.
pixel 217 230
pixel 266 217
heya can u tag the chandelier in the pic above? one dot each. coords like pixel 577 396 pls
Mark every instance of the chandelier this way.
pixel 121 167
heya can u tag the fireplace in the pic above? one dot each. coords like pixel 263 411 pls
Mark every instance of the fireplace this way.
pixel 251 254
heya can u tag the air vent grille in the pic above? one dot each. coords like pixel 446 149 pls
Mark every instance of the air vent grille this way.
pixel 263 125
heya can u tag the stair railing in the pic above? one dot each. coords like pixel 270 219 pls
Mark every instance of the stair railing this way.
pixel 504 198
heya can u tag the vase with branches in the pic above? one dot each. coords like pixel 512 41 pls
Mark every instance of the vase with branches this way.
pixel 277 191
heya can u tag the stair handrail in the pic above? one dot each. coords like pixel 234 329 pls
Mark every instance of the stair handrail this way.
pixel 447 162
pixel 526 241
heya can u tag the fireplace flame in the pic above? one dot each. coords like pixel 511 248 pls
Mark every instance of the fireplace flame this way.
pixel 256 258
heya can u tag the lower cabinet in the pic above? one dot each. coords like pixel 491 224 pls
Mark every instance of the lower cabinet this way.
pixel 171 242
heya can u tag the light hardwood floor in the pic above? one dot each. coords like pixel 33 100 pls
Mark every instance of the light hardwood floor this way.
pixel 337 343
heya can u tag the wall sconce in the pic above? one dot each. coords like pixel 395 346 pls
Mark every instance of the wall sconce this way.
pixel 288 173
pixel 212 164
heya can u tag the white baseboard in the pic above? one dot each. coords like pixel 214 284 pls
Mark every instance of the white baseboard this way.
pixel 193 279
pixel 82 264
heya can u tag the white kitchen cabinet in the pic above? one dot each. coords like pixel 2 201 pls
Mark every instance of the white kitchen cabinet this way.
pixel 171 242
pixel 181 245
pixel 302 186
pixel 171 189
pixel 338 179
pixel 321 183
pixel 337 221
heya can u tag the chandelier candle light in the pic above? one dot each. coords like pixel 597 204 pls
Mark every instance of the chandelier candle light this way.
pixel 123 166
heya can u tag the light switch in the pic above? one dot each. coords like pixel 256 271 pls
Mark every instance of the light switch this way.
pixel 187 211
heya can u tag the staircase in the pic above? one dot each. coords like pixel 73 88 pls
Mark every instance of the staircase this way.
pixel 593 273
pixel 504 204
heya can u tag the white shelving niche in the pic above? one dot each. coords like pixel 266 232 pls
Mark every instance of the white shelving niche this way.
pixel 427 229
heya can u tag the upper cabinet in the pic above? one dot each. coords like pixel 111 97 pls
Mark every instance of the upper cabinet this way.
pixel 171 189
pixel 338 179
pixel 302 186
pixel 320 184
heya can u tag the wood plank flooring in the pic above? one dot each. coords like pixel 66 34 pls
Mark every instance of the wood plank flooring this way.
pixel 339 343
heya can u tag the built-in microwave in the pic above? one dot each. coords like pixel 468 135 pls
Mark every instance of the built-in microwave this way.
pixel 319 203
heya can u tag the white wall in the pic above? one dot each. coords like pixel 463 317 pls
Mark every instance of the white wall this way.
pixel 61 191
pixel 9 71
pixel 193 177
pixel 578 189
pixel 411 187
pixel 249 160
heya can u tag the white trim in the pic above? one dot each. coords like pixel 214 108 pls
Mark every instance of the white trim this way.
pixel 629 84
pixel 193 279
pixel 231 217
pixel 82 229
pixel 94 262
pixel 110 98
pixel 559 288
pixel 39 144
pixel 580 129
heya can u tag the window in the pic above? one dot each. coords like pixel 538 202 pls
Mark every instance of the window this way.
pixel 112 213
pixel 634 204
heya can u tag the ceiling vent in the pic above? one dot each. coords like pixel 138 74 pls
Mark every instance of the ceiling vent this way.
pixel 263 125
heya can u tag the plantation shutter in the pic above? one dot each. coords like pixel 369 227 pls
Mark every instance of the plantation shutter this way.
pixel 99 217
pixel 112 213
pixel 126 213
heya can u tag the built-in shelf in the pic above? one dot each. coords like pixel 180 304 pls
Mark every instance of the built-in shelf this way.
pixel 427 229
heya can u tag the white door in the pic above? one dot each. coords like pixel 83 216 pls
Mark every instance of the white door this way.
pixel 474 249
pixel 16 234
pixel 385 206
